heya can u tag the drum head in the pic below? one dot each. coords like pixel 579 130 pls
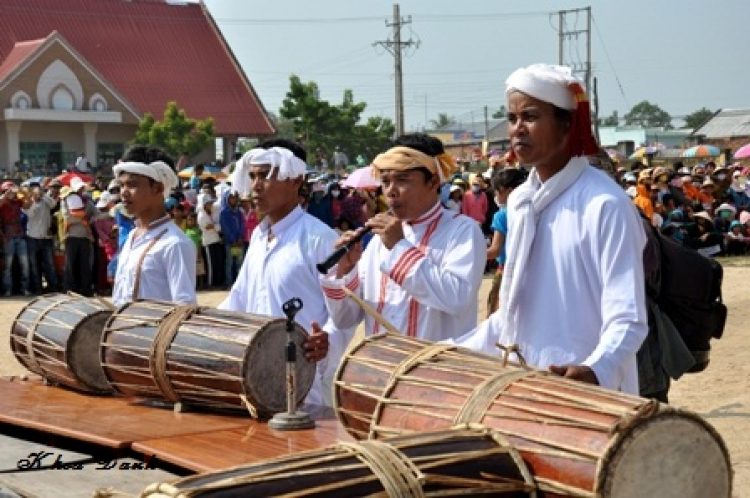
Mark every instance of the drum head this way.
pixel 669 455
pixel 265 368
pixel 83 352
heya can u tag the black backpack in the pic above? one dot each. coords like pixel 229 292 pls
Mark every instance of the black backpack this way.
pixel 689 293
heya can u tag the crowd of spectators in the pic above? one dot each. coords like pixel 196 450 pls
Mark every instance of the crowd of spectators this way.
pixel 59 237
pixel 705 206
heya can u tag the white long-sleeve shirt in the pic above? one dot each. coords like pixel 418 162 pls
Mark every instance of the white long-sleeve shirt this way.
pixel 40 217
pixel 284 268
pixel 168 270
pixel 425 286
pixel 582 297
pixel 209 235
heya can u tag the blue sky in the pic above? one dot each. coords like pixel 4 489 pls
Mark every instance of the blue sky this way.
pixel 679 54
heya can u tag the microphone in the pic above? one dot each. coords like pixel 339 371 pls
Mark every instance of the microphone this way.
pixel 336 255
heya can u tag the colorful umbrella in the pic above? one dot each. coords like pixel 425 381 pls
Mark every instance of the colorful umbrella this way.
pixel 208 171
pixel 645 150
pixel 743 152
pixel 361 179
pixel 702 151
pixel 65 178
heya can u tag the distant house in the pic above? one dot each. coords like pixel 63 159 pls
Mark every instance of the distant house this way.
pixel 77 76
pixel 465 141
pixel 728 129
pixel 626 139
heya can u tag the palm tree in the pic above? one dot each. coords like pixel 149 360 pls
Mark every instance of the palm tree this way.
pixel 442 121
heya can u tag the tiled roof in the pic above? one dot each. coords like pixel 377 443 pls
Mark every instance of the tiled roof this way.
pixel 17 55
pixel 150 51
pixel 727 123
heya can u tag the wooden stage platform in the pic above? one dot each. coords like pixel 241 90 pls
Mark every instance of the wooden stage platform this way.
pixel 194 441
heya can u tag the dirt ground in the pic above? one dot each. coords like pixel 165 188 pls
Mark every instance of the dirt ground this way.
pixel 720 394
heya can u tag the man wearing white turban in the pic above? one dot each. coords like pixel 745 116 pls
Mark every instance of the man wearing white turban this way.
pixel 572 297
pixel 284 248
pixel 157 261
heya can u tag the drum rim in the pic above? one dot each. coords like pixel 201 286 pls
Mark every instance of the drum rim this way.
pixel 247 388
pixel 63 298
pixel 611 453
pixel 68 351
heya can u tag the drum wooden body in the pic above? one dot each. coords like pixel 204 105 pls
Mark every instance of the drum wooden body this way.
pixel 464 461
pixel 577 439
pixel 57 336
pixel 203 357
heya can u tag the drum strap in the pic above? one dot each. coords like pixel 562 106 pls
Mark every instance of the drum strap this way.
pixel 137 283
pixel 485 393
pixel 157 358
pixel 398 475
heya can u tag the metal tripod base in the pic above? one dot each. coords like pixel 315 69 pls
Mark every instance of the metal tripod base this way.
pixel 291 421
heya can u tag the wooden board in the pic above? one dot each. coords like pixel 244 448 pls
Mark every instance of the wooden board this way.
pixel 113 422
pixel 222 449
pixel 197 442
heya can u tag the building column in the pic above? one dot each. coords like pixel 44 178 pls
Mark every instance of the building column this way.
pixel 229 142
pixel 89 142
pixel 12 135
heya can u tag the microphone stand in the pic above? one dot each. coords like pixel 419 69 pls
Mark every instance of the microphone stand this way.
pixel 292 420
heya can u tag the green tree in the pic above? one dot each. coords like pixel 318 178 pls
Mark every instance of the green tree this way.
pixel 698 118
pixel 500 113
pixel 321 126
pixel 176 133
pixel 611 120
pixel 442 121
pixel 648 115
pixel 284 127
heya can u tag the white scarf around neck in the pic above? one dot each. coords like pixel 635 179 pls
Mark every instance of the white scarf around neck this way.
pixel 527 203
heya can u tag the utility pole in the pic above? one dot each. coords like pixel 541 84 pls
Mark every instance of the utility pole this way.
pixel 579 67
pixel 396 47
pixel 571 36
pixel 486 132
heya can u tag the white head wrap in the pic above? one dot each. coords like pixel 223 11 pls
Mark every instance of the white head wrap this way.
pixel 288 165
pixel 544 82
pixel 158 171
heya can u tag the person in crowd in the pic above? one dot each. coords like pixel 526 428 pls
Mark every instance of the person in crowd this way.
pixel 105 232
pixel 233 233
pixel 213 247
pixel 319 204
pixel 337 195
pixel 735 244
pixel 725 215
pixel 353 208
pixel 643 195
pixel 706 239
pixel 284 250
pixel 41 247
pixel 12 202
pixel 706 195
pixel 177 213
pixel 193 231
pixel 195 179
pixel 475 203
pixel 575 242
pixel 504 182
pixel 77 213
pixel 156 261
pixel 423 267
pixel 454 199
pixel 737 194
pixel 250 219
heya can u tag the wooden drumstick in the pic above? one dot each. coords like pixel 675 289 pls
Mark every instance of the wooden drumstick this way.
pixel 368 309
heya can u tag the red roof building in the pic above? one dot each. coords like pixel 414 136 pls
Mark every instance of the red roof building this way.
pixel 103 64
